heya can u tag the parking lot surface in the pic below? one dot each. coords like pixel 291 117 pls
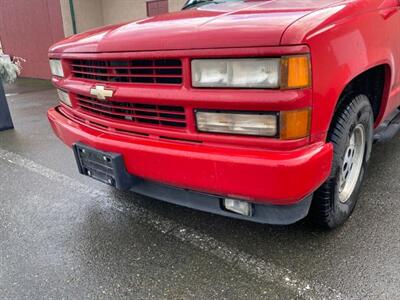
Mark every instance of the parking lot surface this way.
pixel 63 235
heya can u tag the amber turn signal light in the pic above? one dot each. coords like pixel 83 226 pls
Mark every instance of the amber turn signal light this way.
pixel 295 72
pixel 295 124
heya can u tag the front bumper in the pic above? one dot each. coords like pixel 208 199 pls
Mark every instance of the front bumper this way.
pixel 259 176
pixel 109 168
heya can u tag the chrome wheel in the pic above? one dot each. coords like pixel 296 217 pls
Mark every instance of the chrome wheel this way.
pixel 352 163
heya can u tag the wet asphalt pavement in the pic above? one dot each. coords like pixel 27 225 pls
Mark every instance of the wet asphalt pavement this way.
pixel 66 236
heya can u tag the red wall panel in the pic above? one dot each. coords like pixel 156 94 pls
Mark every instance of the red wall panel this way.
pixel 27 29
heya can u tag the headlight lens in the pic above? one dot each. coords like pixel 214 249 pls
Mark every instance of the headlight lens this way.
pixel 287 72
pixel 293 124
pixel 64 97
pixel 56 67
pixel 239 73
pixel 238 123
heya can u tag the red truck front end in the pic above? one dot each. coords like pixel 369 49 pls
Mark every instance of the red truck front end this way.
pixel 186 126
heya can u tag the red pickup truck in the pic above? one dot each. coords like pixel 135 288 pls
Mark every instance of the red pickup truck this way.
pixel 259 110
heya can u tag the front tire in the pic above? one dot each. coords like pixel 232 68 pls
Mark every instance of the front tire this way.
pixel 351 134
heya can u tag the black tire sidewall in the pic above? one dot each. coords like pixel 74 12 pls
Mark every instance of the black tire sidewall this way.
pixel 359 111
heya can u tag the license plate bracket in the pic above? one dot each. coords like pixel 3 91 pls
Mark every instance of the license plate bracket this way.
pixel 107 167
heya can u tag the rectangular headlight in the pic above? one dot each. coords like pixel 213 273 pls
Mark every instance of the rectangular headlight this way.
pixel 64 97
pixel 238 73
pixel 56 67
pixel 286 72
pixel 237 123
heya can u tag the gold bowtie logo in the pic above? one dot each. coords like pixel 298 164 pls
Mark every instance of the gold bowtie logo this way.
pixel 101 93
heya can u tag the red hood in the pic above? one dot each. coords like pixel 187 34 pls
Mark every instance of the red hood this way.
pixel 229 24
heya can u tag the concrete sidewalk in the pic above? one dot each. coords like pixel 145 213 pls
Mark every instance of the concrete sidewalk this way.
pixel 65 236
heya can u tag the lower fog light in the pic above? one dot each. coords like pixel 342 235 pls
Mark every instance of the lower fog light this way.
pixel 237 206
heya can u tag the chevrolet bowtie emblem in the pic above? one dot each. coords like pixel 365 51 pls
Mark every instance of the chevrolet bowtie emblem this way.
pixel 101 93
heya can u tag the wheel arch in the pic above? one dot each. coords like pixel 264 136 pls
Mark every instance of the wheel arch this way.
pixel 373 82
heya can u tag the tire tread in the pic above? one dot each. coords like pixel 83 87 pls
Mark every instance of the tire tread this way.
pixel 323 203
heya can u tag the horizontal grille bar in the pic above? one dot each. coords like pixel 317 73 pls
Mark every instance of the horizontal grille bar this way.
pixel 152 71
pixel 140 113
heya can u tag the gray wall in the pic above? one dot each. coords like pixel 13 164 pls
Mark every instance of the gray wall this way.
pixel 95 13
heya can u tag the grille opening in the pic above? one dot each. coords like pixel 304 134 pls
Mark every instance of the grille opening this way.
pixel 142 71
pixel 172 116
pixel 172 108
pixel 174 124
pixel 169 71
pixel 139 113
pixel 142 63
pixel 148 71
pixel 168 80
pixel 122 71
pixel 149 121
pixel 149 106
pixel 119 63
pixel 146 113
pixel 167 62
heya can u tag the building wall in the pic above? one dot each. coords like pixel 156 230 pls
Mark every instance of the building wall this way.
pixel 88 14
pixel 96 13
pixel 27 29
pixel 117 11
pixel 176 5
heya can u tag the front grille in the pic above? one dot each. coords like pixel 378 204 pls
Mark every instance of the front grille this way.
pixel 150 71
pixel 139 113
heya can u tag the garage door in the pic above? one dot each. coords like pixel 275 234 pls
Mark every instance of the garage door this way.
pixel 27 29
